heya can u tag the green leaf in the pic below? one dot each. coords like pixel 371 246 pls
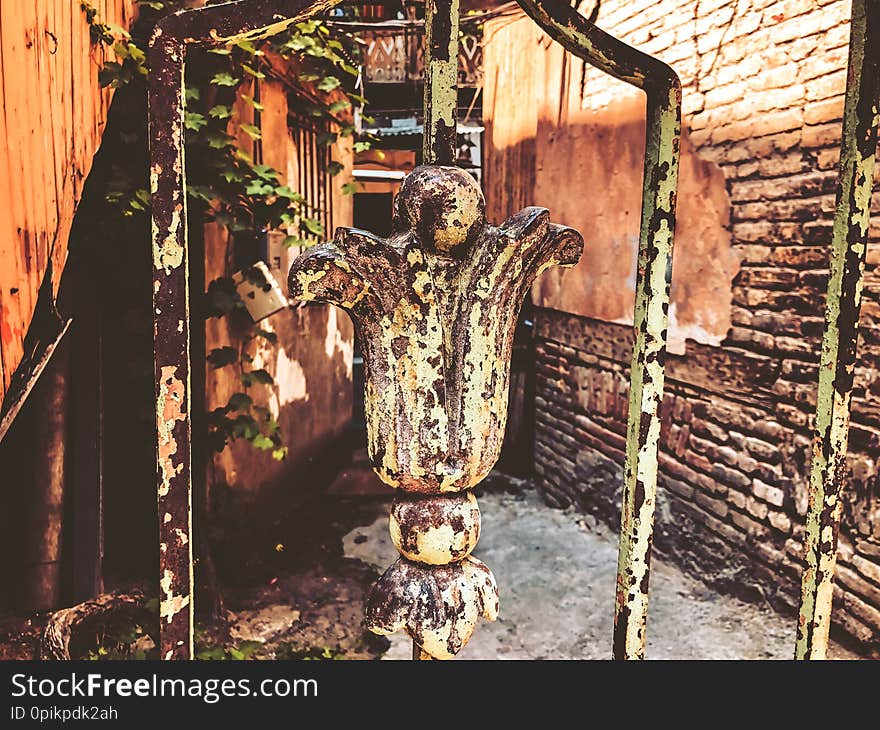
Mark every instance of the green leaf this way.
pixel 266 171
pixel 349 188
pixel 248 47
pixel 334 167
pixel 284 191
pixel 313 226
pixel 220 112
pixel 225 79
pixel 255 104
pixel 110 75
pixel 361 146
pixel 223 297
pixel 262 442
pixel 252 71
pixel 258 187
pixel 307 27
pixel 329 83
pixel 245 427
pixel 252 131
pixel 338 106
pixel 222 356
pixel 194 121
pixel 279 454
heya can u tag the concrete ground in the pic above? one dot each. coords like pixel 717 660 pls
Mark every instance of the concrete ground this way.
pixel 556 572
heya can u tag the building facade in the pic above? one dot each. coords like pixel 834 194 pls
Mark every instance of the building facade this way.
pixel 763 85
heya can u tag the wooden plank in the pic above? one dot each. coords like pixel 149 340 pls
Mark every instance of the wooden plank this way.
pixel 52 114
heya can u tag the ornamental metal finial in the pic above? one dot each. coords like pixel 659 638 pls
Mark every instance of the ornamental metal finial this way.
pixel 435 307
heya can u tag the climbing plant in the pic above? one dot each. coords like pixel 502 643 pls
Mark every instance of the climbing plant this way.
pixel 225 184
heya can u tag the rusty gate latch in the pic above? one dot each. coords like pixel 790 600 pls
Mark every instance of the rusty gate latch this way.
pixel 435 307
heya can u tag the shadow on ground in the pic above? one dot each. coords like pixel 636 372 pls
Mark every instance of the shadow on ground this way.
pixel 555 570
pixel 297 590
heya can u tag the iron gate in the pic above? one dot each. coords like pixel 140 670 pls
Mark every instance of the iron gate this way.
pixel 217 25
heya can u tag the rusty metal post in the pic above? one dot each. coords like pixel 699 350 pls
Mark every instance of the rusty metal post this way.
pixel 215 25
pixel 441 82
pixel 440 104
pixel 435 306
pixel 663 90
pixel 837 361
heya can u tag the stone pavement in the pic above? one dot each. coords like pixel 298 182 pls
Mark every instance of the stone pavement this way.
pixel 556 573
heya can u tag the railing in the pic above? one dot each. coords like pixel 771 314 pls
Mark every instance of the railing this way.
pixel 216 25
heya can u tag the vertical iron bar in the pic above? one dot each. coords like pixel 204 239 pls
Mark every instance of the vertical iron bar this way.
pixel 440 101
pixel 650 319
pixel 208 25
pixel 441 82
pixel 840 338
pixel 171 347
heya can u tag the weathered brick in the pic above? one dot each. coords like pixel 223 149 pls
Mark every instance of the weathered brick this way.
pixel 868 568
pixel 756 509
pixel 763 99
pixel 762 450
pixel 746 524
pixel 731 477
pixel 737 499
pixel 770 494
pixel 780 521
pixel 822 135
pixel 821 112
pixel 686 491
pixel 825 87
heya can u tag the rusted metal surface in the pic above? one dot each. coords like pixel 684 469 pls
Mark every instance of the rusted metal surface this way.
pixel 214 25
pixel 441 88
pixel 435 305
pixel 663 90
pixel 848 248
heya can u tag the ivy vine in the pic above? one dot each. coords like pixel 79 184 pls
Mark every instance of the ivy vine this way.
pixel 224 181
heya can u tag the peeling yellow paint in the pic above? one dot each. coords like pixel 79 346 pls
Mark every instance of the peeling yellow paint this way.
pixel 169 410
pixel 437 332
pixel 171 604
pixel 168 253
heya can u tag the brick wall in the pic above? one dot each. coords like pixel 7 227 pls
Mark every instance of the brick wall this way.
pixel 763 97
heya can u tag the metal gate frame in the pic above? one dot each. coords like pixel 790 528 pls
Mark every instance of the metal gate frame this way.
pixel 254 19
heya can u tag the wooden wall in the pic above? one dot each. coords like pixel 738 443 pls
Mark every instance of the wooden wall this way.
pixel 52 114
pixel 312 359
